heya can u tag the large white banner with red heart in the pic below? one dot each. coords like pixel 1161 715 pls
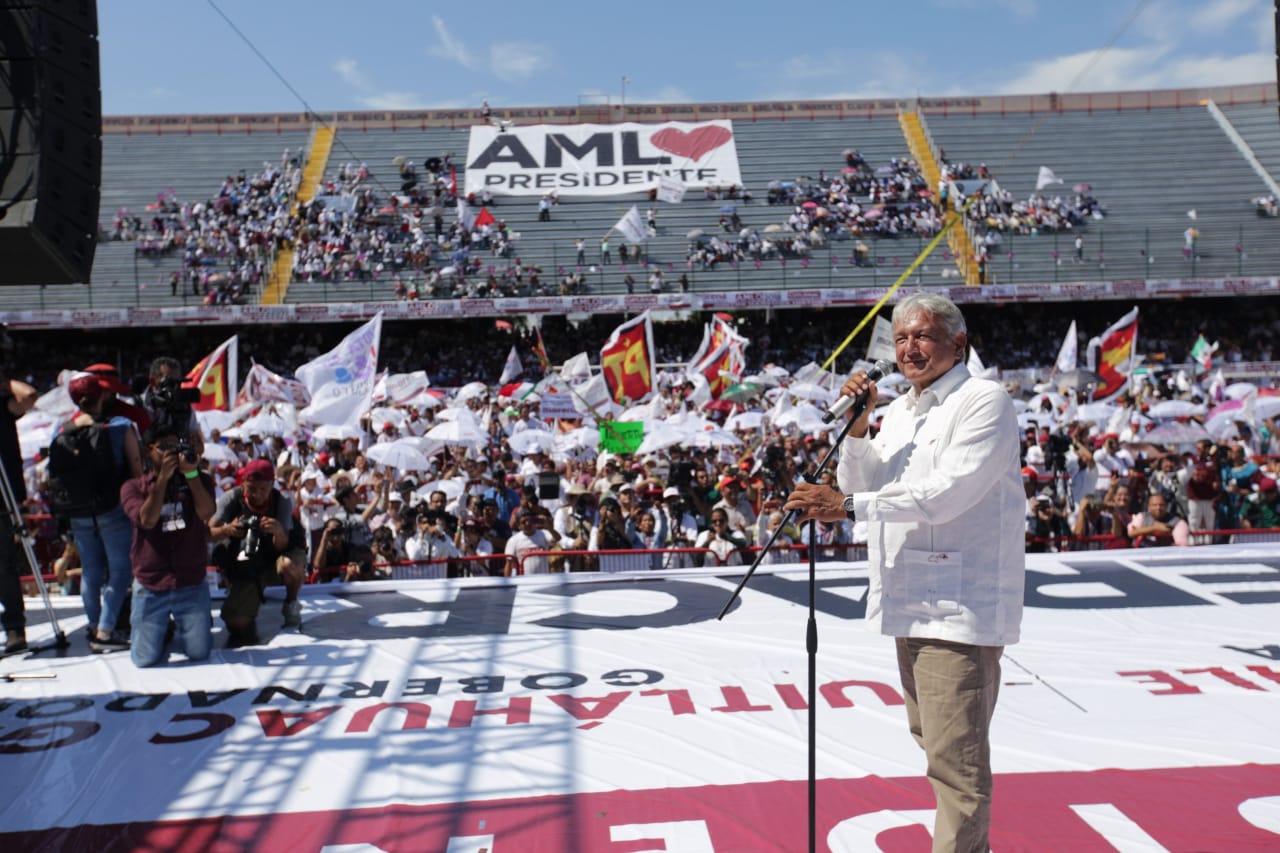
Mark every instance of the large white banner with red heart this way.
pixel 600 159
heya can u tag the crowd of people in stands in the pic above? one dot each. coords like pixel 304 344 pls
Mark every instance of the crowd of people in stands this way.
pixel 226 241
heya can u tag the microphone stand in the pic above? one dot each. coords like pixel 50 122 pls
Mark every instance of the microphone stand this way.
pixel 811 628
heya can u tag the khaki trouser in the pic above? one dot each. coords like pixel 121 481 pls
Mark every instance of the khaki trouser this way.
pixel 950 691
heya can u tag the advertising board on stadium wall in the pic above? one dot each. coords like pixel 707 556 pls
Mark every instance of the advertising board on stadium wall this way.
pixel 810 297
pixel 599 159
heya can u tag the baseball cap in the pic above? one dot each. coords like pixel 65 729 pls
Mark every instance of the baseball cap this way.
pixel 257 471
pixel 109 376
pixel 86 386
pixel 670 492
pixel 1266 484
pixel 626 487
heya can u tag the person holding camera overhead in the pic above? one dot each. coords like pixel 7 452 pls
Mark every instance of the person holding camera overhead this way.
pixel 166 398
pixel 169 507
pixel 256 545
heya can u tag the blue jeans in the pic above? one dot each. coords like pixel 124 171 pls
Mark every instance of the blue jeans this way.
pixel 106 567
pixel 192 612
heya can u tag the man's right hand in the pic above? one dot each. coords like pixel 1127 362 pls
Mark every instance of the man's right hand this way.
pixel 852 387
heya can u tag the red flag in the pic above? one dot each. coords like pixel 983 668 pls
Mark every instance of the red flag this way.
pixel 541 352
pixel 453 181
pixel 484 217
pixel 1113 355
pixel 215 376
pixel 627 360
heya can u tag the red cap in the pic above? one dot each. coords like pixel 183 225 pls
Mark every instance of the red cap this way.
pixel 85 387
pixel 256 471
pixel 110 377
pixel 1266 484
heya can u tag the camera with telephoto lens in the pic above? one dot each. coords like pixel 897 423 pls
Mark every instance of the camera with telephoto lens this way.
pixel 185 452
pixel 252 525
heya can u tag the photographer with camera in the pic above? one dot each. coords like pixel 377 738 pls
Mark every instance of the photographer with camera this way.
pixel 337 557
pixel 256 545
pixel 169 507
pixel 166 399
pixel 682 529
pixel 572 521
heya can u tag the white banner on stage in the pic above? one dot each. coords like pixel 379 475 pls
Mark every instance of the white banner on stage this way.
pixel 1141 703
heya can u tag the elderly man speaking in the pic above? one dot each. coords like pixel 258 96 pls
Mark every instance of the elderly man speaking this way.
pixel 940 489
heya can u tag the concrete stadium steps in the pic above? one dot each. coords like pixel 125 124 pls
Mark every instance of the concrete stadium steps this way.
pixel 1257 124
pixel 136 169
pixel 1148 168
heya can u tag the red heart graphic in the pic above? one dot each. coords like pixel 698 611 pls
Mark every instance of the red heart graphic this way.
pixel 693 144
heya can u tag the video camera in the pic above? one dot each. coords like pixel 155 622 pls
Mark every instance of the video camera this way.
pixel 171 404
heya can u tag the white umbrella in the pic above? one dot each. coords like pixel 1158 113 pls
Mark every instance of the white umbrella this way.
pixel 1175 409
pixel 1266 407
pixel 451 488
pixel 264 423
pixel 811 391
pixel 1239 390
pixel 384 414
pixel 1098 413
pixel 582 438
pixel 400 455
pixel 470 390
pixel 336 432
pixel 1221 422
pixel 714 438
pixel 804 417
pixel 745 421
pixel 216 453
pixel 463 429
pixel 531 440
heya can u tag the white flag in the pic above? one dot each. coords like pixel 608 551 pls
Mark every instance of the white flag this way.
pixel 631 226
pixel 1046 177
pixel 1191 214
pixel 1068 354
pixel 512 368
pixel 975 365
pixel 341 381
pixel 670 189
pixel 576 368
pixel 592 397
pixel 881 346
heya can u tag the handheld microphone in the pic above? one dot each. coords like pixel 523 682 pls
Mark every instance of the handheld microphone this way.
pixel 845 403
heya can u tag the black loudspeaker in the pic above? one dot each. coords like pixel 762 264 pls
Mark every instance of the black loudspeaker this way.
pixel 50 140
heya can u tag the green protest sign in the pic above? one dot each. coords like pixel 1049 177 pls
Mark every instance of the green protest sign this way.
pixel 621 436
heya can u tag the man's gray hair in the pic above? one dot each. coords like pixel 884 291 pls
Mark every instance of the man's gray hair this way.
pixel 936 306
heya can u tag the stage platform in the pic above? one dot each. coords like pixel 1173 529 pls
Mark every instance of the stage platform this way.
pixel 616 714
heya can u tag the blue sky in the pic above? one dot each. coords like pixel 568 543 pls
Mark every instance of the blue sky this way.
pixel 178 56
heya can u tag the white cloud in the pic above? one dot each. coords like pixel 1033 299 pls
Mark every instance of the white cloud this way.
pixel 349 71
pixel 1217 15
pixel 1153 67
pixel 448 47
pixel 395 101
pixel 518 60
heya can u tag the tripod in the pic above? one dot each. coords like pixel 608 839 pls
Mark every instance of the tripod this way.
pixel 811 629
pixel 20 532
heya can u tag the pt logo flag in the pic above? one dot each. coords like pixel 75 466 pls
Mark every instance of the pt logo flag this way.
pixel 1112 356
pixel 627 360
pixel 215 376
pixel 719 359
